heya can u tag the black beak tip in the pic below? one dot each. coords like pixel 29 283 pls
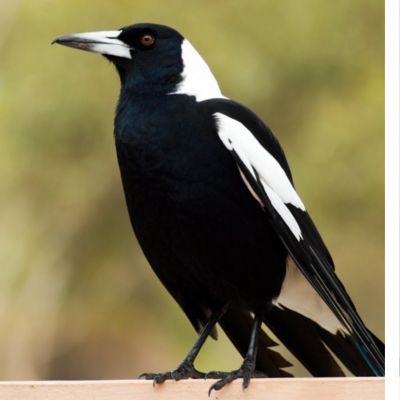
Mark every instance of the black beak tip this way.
pixel 62 39
pixel 57 40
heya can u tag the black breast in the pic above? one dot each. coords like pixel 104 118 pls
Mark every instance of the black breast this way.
pixel 201 230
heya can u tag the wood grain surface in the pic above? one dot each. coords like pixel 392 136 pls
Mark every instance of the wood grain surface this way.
pixel 265 389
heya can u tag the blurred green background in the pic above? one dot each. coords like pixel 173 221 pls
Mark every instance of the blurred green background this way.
pixel 77 298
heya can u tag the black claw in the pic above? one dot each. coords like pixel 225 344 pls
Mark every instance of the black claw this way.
pixel 162 378
pixel 227 378
pixel 184 371
pixel 156 378
pixel 246 382
pixel 245 372
pixel 212 387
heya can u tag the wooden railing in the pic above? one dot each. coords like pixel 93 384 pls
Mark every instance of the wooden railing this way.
pixel 260 389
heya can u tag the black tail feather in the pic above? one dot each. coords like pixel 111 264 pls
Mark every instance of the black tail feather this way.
pixel 345 349
pixel 302 338
pixel 309 343
pixel 237 325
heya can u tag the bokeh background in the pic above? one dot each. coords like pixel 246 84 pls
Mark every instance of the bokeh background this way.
pixel 77 298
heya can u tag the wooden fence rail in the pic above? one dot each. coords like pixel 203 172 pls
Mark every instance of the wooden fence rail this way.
pixel 265 389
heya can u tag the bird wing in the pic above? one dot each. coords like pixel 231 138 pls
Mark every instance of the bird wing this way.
pixel 266 173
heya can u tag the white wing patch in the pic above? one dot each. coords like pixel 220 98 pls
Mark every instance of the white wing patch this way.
pixel 298 295
pixel 197 78
pixel 254 156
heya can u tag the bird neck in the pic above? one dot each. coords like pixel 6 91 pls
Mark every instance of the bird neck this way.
pixel 139 80
pixel 190 76
pixel 196 77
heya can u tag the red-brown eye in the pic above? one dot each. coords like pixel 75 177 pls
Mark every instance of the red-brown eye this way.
pixel 147 40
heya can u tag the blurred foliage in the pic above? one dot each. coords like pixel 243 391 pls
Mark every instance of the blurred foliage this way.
pixel 77 299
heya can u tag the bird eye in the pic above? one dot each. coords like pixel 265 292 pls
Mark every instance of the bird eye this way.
pixel 147 40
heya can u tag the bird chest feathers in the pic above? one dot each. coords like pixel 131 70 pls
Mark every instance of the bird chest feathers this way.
pixel 169 148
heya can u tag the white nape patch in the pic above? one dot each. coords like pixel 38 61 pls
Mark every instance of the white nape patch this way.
pixel 298 295
pixel 197 78
pixel 277 185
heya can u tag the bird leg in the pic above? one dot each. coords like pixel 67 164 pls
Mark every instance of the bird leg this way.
pixel 247 369
pixel 186 369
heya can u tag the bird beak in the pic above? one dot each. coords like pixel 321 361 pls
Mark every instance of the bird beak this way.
pixel 102 42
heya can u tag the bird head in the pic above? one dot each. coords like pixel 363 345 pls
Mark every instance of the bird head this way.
pixel 150 57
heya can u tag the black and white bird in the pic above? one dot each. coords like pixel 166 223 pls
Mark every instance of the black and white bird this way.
pixel 212 203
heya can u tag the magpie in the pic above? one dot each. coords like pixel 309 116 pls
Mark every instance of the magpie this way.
pixel 212 202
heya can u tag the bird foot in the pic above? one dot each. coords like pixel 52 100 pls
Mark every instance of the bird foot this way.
pixel 246 371
pixel 185 371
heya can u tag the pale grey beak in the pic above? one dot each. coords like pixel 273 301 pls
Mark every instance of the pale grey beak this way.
pixel 102 42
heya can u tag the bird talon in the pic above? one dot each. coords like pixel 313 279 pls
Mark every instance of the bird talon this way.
pixel 213 387
pixel 161 378
pixel 146 376
pixel 157 378
pixel 184 371
pixel 245 372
